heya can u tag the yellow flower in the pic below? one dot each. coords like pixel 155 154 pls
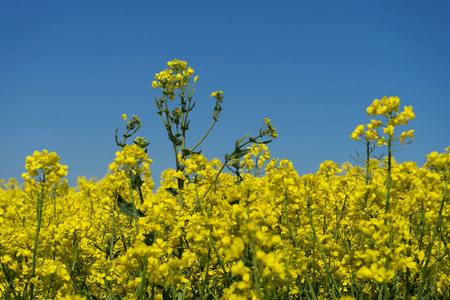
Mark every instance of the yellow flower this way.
pixel 180 175
pixel 124 116
pixel 389 130
pixel 217 94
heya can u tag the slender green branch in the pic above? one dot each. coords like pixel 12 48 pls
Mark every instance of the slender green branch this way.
pixel 206 134
pixel 226 162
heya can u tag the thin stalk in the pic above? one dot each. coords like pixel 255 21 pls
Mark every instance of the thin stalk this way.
pixel 40 203
pixel 10 280
pixel 389 178
pixel 111 255
pixel 224 164
pixel 206 134
pixel 135 215
pixel 310 287
pixel 256 266
pixel 255 269
pixel 211 240
pixel 340 218
pixel 330 276
pixel 430 245
pixel 287 219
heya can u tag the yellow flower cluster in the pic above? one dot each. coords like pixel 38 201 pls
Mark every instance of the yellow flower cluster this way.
pixel 177 76
pixel 45 173
pixel 218 95
pixel 439 161
pixel 270 130
pixel 131 158
pixel 256 158
pixel 389 108
pixel 44 164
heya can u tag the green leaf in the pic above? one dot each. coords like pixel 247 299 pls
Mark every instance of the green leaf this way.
pixel 238 142
pixel 266 142
pixel 240 153
pixel 172 191
pixel 149 238
pixel 136 181
pixel 127 208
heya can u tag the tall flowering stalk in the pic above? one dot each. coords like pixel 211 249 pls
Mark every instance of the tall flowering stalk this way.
pixel 132 162
pixel 174 83
pixel 177 88
pixel 42 179
pixel 389 109
pixel 439 163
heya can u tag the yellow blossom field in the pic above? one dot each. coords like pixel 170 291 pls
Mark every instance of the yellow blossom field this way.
pixel 377 229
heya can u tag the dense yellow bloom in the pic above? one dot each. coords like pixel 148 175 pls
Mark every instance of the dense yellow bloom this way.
pixel 176 77
pixel 264 237
pixel 131 157
pixel 439 162
pixel 384 107
pixel 256 216
pixel 389 108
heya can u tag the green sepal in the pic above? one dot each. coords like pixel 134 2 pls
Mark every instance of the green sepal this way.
pixel 186 152
pixel 197 152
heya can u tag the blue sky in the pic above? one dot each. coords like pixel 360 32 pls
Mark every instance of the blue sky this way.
pixel 70 69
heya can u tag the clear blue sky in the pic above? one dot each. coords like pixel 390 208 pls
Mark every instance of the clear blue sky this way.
pixel 70 69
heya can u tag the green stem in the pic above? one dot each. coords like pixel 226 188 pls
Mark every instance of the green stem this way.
pixel 111 255
pixel 40 203
pixel 430 245
pixel 330 276
pixel 211 240
pixel 135 215
pixel 310 287
pixel 340 218
pixel 287 219
pixel 206 134
pixel 224 164
pixel 389 178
